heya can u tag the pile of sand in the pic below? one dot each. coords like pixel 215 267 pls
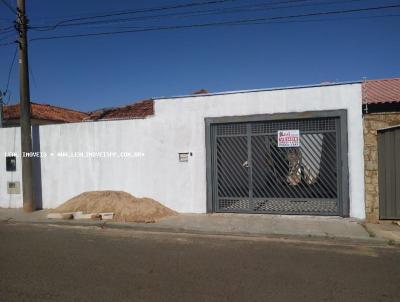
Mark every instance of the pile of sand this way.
pixel 124 206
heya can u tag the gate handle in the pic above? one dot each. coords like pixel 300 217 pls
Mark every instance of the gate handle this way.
pixel 245 164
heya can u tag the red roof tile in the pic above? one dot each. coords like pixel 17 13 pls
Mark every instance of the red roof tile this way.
pixel 201 91
pixel 381 91
pixel 140 109
pixel 45 112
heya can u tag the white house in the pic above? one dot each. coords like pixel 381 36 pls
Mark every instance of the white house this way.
pixel 295 150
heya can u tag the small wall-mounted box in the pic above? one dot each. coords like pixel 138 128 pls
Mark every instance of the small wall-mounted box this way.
pixel 11 163
pixel 184 156
pixel 13 187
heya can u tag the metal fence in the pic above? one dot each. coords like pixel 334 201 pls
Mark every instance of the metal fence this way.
pixel 251 173
pixel 389 173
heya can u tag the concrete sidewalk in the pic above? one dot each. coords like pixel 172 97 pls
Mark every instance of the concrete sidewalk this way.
pixel 238 224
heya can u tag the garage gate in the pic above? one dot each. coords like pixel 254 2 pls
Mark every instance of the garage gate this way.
pixel 281 164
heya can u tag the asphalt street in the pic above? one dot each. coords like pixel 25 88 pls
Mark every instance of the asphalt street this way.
pixel 54 263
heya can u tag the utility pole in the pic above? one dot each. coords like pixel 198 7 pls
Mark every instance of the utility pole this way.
pixel 25 110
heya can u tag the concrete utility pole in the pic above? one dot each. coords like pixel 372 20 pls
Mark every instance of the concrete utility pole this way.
pixel 25 110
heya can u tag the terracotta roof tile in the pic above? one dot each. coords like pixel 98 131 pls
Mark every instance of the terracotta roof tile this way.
pixel 140 109
pixel 201 91
pixel 381 91
pixel 45 112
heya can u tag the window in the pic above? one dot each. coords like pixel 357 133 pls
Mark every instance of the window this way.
pixel 11 163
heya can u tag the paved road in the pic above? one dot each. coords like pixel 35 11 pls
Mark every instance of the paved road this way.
pixel 49 263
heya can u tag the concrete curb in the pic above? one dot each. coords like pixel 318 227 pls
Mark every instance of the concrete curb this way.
pixel 373 241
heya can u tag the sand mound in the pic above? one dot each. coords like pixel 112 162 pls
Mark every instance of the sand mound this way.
pixel 125 206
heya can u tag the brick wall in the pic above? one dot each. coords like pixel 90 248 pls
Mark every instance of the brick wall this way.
pixel 373 122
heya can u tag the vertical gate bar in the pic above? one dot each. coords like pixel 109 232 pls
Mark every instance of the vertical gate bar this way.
pixel 390 179
pixel 215 197
pixel 209 165
pixel 386 172
pixel 339 194
pixel 343 164
pixel 250 166
pixel 381 175
pixel 397 168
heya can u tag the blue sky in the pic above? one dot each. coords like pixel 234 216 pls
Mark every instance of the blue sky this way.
pixel 95 72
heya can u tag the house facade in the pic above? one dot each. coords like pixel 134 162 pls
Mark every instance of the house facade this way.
pixel 381 111
pixel 295 150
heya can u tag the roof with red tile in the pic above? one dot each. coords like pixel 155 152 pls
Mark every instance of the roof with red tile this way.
pixel 45 112
pixel 201 91
pixel 141 109
pixel 381 91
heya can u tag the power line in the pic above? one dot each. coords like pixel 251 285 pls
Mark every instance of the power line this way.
pixel 6 91
pixel 5 31
pixel 7 37
pixel 11 68
pixel 193 4
pixel 321 20
pixel 301 21
pixel 234 22
pixel 7 43
pixel 6 28
pixel 237 9
pixel 13 10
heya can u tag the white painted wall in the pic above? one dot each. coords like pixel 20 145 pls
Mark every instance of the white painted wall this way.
pixel 10 142
pixel 178 126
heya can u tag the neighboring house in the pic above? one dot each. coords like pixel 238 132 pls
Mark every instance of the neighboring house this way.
pixel 139 109
pixel 42 114
pixel 381 108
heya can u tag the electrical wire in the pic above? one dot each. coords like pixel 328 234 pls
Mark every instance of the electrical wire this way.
pixel 7 36
pixel 237 9
pixel 6 28
pixel 6 32
pixel 11 68
pixel 6 91
pixel 321 20
pixel 7 43
pixel 193 4
pixel 13 10
pixel 225 23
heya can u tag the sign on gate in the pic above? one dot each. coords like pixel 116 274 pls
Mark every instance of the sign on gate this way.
pixel 288 138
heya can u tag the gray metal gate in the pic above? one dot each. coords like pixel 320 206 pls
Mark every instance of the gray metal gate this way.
pixel 389 173
pixel 250 173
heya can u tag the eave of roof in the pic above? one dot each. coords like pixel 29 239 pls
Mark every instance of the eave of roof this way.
pixel 383 91
pixel 137 110
pixel 45 112
pixel 257 90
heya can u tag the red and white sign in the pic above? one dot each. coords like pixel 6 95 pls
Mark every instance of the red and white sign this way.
pixel 288 138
